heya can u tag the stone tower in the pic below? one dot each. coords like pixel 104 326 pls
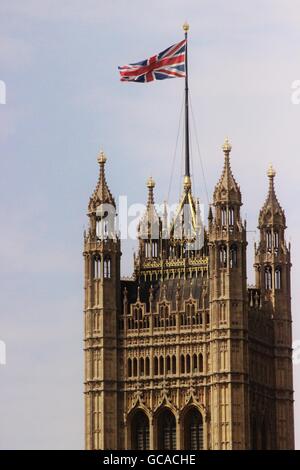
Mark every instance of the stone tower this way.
pixel 228 307
pixel 184 354
pixel 272 268
pixel 101 308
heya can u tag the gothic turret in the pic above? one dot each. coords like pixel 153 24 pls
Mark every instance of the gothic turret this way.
pixel 102 206
pixel 102 304
pixel 227 195
pixel 272 255
pixel 102 194
pixel 228 294
pixel 273 266
pixel 149 226
pixel 271 212
pixel 227 233
pixel 149 231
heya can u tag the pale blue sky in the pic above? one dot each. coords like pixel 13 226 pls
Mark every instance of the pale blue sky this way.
pixel 64 101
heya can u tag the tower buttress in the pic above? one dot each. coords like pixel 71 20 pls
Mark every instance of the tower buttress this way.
pixel 101 305
pixel 272 268
pixel 228 310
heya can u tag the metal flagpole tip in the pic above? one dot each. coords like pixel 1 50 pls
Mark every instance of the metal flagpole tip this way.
pixel 185 27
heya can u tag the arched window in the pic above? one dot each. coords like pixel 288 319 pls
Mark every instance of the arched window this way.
pixel 168 365
pixel 129 368
pixel 276 240
pixel 188 364
pixel 269 240
pixel 97 267
pixel 135 313
pixel 223 256
pixel 107 268
pixel 148 249
pixel 161 365
pixel 154 249
pixel 268 277
pixel 142 366
pixel 140 431
pixel 231 216
pixel 182 364
pixel 147 366
pixel 195 363
pixel 166 430
pixel 134 367
pixel 99 228
pixel 233 256
pixel 173 364
pixel 223 216
pixel 193 430
pixel 200 358
pixel 278 278
pixel 155 366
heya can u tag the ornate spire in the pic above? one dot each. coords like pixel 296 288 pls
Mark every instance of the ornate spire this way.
pixel 165 220
pixel 227 189
pixel 271 212
pixel 149 224
pixel 102 194
pixel 150 186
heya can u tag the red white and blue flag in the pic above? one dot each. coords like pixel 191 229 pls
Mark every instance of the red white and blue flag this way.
pixel 167 64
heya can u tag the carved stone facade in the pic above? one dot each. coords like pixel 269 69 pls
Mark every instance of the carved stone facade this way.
pixel 185 355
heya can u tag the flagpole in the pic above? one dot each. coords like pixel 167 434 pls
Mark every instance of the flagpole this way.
pixel 187 180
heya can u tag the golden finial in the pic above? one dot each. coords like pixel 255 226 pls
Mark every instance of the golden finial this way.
pixel 271 172
pixel 151 182
pixel 226 146
pixel 187 184
pixel 101 157
pixel 185 26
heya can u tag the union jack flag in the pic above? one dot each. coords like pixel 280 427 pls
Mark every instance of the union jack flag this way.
pixel 167 64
